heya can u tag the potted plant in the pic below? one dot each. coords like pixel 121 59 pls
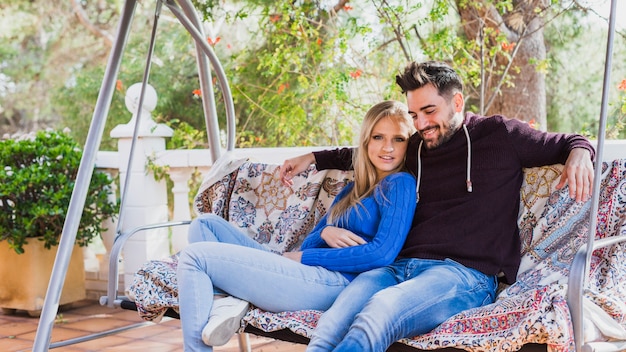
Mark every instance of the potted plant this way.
pixel 36 184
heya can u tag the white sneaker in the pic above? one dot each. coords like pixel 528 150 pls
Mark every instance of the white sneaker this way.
pixel 224 320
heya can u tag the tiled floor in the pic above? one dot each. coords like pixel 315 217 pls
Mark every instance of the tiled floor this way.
pixel 18 330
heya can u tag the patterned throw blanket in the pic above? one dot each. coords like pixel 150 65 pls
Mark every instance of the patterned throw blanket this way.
pixel 533 310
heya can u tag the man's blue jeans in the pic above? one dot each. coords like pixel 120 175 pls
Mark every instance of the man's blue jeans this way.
pixel 407 298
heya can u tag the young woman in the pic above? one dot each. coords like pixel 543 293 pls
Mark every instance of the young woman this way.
pixel 364 228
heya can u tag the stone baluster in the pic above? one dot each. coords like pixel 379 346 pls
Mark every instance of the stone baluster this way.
pixel 146 201
pixel 180 177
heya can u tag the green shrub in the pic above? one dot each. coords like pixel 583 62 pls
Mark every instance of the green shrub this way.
pixel 36 184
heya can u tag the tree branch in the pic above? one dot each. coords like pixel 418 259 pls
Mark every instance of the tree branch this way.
pixel 383 11
pixel 84 19
pixel 339 6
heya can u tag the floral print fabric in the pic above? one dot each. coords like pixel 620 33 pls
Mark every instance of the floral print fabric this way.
pixel 533 310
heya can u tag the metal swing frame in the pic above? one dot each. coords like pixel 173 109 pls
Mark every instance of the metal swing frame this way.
pixel 207 61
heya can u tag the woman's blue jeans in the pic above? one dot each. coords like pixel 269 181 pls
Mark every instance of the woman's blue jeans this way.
pixel 405 299
pixel 222 258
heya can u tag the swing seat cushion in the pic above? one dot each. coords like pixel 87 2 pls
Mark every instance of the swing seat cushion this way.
pixel 531 311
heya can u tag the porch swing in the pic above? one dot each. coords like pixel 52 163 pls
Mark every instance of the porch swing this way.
pixel 207 61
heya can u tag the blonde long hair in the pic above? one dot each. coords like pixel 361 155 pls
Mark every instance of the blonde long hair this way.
pixel 365 175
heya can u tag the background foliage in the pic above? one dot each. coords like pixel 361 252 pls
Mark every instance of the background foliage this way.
pixel 302 73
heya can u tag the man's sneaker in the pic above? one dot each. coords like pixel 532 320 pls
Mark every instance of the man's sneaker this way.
pixel 224 320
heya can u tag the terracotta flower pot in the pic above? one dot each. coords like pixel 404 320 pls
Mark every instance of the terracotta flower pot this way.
pixel 24 277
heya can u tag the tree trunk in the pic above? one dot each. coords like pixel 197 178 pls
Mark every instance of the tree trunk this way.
pixel 523 94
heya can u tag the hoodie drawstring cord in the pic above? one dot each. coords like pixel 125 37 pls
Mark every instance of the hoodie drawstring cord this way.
pixel 468 181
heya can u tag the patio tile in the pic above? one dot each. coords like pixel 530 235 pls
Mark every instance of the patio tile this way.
pixel 14 344
pixel 18 331
pixel 10 328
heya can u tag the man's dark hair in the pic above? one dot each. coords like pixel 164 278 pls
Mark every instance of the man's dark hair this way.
pixel 443 77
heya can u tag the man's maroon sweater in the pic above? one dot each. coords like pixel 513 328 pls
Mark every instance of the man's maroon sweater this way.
pixel 477 229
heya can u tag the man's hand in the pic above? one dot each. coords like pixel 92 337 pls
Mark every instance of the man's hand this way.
pixel 295 256
pixel 578 174
pixel 337 237
pixel 295 166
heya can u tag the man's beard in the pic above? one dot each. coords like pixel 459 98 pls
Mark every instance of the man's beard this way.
pixel 452 125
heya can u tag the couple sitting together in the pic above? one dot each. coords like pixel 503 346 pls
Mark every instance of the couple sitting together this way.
pixel 426 229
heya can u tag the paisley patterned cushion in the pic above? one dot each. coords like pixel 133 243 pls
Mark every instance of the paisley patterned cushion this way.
pixel 533 310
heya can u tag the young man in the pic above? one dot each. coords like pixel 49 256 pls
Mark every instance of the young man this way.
pixel 464 234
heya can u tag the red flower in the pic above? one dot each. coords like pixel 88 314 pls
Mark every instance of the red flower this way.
pixel 197 92
pixel 319 41
pixel 212 41
pixel 622 85
pixel 282 87
pixel 275 18
pixel 347 7
pixel 507 46
pixel 532 123
pixel 356 74
pixel 118 85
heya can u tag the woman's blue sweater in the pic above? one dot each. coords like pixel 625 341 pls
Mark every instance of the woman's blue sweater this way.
pixel 383 222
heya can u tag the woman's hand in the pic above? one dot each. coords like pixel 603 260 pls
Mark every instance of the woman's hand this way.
pixel 337 237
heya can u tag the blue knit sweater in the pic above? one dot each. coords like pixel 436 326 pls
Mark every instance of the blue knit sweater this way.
pixel 383 223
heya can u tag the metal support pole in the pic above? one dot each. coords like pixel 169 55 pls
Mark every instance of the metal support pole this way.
pixel 189 19
pixel 206 85
pixel 142 95
pixel 580 265
pixel 83 179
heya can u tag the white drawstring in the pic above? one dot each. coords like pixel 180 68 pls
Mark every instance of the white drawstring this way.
pixel 419 171
pixel 468 181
